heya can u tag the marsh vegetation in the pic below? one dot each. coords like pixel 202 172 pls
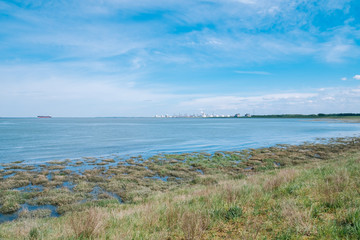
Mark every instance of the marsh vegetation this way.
pixel 280 192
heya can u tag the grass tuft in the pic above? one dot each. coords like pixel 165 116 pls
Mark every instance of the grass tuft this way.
pixel 194 224
pixel 87 224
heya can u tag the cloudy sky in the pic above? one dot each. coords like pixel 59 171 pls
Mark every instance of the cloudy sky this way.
pixel 147 57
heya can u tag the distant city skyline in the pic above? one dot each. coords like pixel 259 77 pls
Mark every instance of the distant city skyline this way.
pixel 142 58
pixel 196 115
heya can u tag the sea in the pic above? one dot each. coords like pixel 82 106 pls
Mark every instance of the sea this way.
pixel 35 140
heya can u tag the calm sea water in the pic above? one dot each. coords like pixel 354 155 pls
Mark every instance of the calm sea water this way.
pixel 37 140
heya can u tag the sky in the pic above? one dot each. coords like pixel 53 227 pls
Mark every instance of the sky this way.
pixel 97 58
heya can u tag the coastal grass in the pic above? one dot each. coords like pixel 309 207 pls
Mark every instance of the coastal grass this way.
pixel 297 193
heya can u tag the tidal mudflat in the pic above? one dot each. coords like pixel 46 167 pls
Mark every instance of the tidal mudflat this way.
pixel 54 188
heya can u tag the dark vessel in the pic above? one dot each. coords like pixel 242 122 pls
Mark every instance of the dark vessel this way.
pixel 44 116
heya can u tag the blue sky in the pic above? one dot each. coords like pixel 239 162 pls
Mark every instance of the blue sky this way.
pixel 141 58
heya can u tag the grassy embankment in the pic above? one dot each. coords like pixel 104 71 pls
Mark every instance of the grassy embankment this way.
pixel 314 194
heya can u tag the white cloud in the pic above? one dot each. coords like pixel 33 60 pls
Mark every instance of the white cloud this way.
pixel 238 103
pixel 328 98
pixel 59 97
pixel 357 77
pixel 343 78
pixel 27 90
pixel 341 99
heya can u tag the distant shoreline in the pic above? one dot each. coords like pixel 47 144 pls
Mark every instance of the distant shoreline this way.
pixel 341 116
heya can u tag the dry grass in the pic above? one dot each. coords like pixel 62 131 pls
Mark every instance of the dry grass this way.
pixel 330 189
pixel 194 224
pixel 298 218
pixel 282 177
pixel 88 224
pixel 338 181
pixel 231 193
pixel 172 215
pixel 150 215
pixel 41 179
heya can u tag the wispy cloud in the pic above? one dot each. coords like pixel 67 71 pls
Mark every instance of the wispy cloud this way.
pixel 209 30
pixel 357 77
pixel 253 72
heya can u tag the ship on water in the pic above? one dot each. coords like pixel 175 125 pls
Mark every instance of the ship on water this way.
pixel 44 116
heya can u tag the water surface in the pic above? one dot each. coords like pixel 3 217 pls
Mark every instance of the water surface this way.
pixel 37 140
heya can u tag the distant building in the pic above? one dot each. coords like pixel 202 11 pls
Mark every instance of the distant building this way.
pixel 237 115
pixel 248 115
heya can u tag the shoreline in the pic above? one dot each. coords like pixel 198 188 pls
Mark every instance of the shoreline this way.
pixel 64 186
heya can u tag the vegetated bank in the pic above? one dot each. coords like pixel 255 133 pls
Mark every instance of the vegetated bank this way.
pixel 282 192
pixel 319 115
